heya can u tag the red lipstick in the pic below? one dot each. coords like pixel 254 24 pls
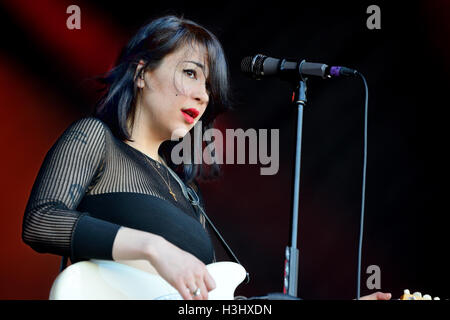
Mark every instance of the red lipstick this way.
pixel 190 114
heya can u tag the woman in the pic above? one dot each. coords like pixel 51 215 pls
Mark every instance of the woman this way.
pixel 104 190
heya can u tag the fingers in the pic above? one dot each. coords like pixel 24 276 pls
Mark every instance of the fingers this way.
pixel 209 282
pixel 203 291
pixel 183 271
pixel 201 282
pixel 195 290
pixel 383 296
pixel 377 296
pixel 204 282
pixel 183 290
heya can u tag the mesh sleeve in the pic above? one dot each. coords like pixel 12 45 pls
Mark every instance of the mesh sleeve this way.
pixel 51 223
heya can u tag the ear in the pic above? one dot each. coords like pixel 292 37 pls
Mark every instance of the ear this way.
pixel 140 81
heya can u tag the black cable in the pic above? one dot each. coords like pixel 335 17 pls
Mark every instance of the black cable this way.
pixel 194 199
pixel 361 226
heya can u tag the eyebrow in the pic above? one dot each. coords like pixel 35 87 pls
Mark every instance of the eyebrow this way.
pixel 197 64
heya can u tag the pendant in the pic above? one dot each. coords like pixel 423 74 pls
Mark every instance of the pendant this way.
pixel 173 195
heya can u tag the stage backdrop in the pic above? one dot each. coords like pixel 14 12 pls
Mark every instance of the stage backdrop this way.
pixel 44 86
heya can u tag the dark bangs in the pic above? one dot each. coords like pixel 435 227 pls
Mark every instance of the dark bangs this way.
pixel 218 77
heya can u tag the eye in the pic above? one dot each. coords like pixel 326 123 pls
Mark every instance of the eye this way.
pixel 190 73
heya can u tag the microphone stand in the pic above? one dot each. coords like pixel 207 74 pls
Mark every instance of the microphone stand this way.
pixel 290 283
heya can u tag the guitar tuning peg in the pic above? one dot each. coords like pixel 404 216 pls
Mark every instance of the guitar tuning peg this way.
pixel 417 294
pixel 436 298
pixel 426 297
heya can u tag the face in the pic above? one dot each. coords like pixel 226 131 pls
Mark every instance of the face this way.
pixel 173 97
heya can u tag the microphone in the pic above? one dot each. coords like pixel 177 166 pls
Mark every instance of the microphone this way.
pixel 261 66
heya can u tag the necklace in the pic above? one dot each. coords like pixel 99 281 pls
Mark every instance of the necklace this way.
pixel 168 179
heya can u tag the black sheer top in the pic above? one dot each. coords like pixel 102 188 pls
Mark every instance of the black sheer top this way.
pixel 91 183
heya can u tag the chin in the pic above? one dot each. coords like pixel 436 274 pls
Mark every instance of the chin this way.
pixel 179 133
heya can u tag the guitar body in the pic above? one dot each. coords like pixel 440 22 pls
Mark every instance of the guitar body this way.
pixel 109 280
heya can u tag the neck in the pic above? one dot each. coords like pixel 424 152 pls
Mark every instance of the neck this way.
pixel 144 139
pixel 150 150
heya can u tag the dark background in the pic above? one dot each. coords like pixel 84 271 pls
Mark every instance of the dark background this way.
pixel 44 65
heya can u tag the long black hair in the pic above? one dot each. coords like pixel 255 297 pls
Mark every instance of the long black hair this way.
pixel 152 43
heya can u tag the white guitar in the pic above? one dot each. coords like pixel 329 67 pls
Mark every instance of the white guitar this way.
pixel 109 280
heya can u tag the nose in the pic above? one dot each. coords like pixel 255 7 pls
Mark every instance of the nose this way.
pixel 200 94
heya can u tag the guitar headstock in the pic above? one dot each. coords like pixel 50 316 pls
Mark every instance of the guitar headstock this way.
pixel 416 296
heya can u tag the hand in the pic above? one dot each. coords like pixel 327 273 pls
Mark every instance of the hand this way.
pixel 377 296
pixel 182 270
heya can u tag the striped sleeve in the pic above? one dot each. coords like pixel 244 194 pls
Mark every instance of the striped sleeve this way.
pixel 51 223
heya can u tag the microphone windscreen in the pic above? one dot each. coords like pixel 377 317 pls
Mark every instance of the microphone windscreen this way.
pixel 246 65
pixel 253 66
